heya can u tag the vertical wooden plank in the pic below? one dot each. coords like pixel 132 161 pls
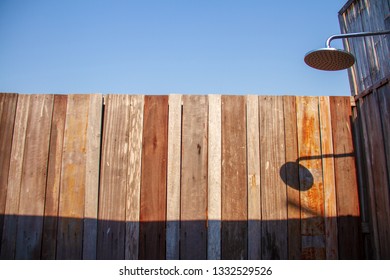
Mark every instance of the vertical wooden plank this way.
pixel 384 104
pixel 8 245
pixel 364 115
pixel 114 171
pixel 291 175
pixel 378 182
pixel 193 209
pixel 33 180
pixel 73 174
pixel 7 119
pixel 273 189
pixel 134 184
pixel 310 178
pixel 234 182
pixel 153 182
pixel 173 177
pixel 92 176
pixel 253 158
pixel 214 179
pixel 49 240
pixel 330 204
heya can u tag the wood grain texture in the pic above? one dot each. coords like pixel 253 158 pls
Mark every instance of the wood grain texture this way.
pixel 173 177
pixel 364 117
pixel 234 182
pixel 92 166
pixel 49 239
pixel 33 179
pixel 112 201
pixel 153 182
pixel 273 189
pixel 378 188
pixel 328 166
pixel 8 104
pixel 291 173
pixel 8 243
pixel 310 177
pixel 214 178
pixel 384 105
pixel 253 162
pixel 193 208
pixel 134 181
pixel 73 174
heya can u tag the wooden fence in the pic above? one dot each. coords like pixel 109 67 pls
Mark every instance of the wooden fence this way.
pixel 177 177
pixel 370 86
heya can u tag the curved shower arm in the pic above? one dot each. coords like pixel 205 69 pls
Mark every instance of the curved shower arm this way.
pixel 351 35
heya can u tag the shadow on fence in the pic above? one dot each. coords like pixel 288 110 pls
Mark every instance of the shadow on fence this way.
pixel 36 237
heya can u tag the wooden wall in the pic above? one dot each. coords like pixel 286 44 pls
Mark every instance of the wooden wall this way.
pixel 177 177
pixel 369 79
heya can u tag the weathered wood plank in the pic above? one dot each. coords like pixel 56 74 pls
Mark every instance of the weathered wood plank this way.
pixel 349 231
pixel 134 184
pixel 173 177
pixel 379 189
pixel 92 176
pixel 291 175
pixel 14 178
pixel 364 116
pixel 384 104
pixel 234 182
pixel 114 172
pixel 330 203
pixel 253 158
pixel 310 178
pixel 214 178
pixel 273 189
pixel 49 240
pixel 33 180
pixel 8 104
pixel 73 174
pixel 193 209
pixel 153 182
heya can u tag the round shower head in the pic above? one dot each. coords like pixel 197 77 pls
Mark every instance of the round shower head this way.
pixel 329 59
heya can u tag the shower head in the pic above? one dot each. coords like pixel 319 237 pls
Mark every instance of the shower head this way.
pixel 329 59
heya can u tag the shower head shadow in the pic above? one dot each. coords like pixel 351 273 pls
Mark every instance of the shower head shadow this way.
pixel 331 59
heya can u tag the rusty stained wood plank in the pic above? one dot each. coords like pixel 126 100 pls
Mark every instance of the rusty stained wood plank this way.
pixel 234 183
pixel 33 179
pixel 92 176
pixel 349 230
pixel 134 178
pixel 291 177
pixel 173 178
pixel 214 178
pixel 8 103
pixel 379 184
pixel 310 179
pixel 113 182
pixel 273 189
pixel 49 240
pixel 193 208
pixel 328 166
pixel 153 180
pixel 8 245
pixel 73 179
pixel 253 158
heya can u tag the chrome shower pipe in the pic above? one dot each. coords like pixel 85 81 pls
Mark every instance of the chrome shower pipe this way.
pixel 352 35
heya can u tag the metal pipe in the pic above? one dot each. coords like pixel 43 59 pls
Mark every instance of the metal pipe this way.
pixel 352 35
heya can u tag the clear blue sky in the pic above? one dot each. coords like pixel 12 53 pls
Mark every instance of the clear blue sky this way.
pixel 167 46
